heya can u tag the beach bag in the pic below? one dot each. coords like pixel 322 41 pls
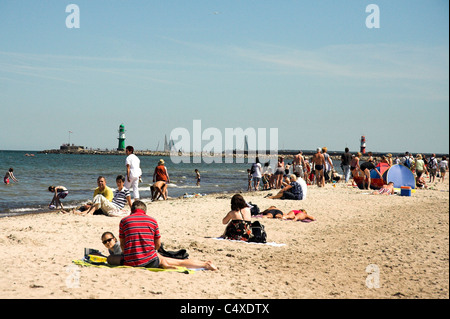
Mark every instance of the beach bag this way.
pixel 254 210
pixel 259 234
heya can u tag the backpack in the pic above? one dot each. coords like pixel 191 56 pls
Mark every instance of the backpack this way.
pixel 253 169
pixel 259 234
pixel 408 162
pixel 254 210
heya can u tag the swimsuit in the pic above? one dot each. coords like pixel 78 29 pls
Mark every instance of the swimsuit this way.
pixel 384 191
pixel 62 193
pixel 367 165
pixel 319 167
pixel 6 180
pixel 273 212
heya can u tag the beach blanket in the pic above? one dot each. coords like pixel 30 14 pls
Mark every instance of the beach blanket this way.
pixel 273 244
pixel 84 263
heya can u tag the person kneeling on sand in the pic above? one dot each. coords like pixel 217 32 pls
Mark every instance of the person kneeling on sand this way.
pixel 385 190
pixel 140 240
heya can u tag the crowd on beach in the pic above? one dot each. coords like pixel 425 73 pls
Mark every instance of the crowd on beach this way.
pixel 139 240
pixel 319 170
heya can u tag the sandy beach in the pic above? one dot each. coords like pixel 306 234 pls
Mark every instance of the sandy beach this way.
pixel 403 241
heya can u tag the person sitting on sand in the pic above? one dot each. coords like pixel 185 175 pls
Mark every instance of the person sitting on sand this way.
pixel 60 192
pixel 113 245
pixel 420 182
pixel 272 212
pixel 158 189
pixel 385 190
pixel 113 208
pixel 103 189
pixel 9 174
pixel 292 189
pixel 297 215
pixel 238 220
pixel 140 240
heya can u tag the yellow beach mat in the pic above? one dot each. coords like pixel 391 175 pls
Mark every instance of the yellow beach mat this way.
pixel 183 270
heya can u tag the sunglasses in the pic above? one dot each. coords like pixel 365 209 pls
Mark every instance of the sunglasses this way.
pixel 107 240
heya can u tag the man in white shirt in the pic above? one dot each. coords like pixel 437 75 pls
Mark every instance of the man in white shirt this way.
pixel 134 172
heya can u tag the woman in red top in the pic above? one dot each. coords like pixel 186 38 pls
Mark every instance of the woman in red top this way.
pixel 161 174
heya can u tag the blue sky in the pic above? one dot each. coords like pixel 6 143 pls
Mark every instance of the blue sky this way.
pixel 312 69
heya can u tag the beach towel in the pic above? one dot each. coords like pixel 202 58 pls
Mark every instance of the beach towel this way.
pixel 84 263
pixel 273 244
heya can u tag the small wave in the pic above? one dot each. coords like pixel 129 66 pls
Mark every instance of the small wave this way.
pixel 171 185
pixel 23 210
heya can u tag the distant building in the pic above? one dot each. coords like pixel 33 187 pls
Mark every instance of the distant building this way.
pixel 71 148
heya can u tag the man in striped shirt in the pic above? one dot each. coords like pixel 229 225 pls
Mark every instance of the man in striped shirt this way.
pixel 139 238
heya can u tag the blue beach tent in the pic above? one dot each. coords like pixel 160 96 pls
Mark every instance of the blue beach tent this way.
pixel 401 176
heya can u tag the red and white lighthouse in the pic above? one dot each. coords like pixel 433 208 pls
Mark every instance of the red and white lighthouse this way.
pixel 363 145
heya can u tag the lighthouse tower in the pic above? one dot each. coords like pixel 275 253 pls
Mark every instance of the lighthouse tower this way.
pixel 121 138
pixel 363 145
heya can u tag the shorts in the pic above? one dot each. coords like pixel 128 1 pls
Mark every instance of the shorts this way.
pixel 274 212
pixel 279 171
pixel 154 263
pixel 442 169
pixel 256 179
pixel 432 171
pixel 63 195
pixel 289 195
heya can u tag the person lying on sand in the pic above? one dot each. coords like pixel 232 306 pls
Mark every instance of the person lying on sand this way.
pixel 385 190
pixel 272 212
pixel 297 215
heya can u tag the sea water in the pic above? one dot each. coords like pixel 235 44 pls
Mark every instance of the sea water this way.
pixel 79 173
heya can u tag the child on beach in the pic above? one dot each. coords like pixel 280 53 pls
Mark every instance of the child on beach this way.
pixel 197 176
pixel 9 174
pixel 249 179
pixel 385 190
pixel 60 192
